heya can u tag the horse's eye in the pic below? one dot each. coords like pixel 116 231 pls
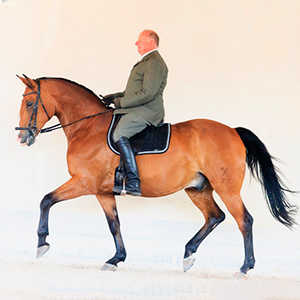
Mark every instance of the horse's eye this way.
pixel 29 104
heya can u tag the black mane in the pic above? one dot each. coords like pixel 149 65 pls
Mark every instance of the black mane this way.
pixel 69 81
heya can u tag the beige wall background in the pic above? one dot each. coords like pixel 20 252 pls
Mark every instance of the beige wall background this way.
pixel 237 62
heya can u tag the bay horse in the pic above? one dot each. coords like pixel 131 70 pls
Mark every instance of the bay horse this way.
pixel 203 156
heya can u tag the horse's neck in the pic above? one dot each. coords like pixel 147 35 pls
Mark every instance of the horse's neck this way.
pixel 70 109
pixel 74 103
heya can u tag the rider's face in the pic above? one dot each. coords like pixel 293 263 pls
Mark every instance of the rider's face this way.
pixel 144 43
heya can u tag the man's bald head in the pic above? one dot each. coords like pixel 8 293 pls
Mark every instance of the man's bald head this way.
pixel 148 40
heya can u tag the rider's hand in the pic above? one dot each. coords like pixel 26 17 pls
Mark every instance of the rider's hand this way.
pixel 117 102
pixel 108 99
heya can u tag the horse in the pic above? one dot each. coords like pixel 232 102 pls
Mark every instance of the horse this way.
pixel 203 156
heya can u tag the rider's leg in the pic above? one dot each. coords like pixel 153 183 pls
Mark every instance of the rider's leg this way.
pixel 133 184
pixel 128 126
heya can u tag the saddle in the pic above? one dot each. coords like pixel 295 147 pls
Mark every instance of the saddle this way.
pixel 152 140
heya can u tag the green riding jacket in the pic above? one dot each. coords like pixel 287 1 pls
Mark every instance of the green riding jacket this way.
pixel 144 90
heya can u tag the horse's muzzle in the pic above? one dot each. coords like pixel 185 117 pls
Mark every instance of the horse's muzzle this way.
pixel 26 138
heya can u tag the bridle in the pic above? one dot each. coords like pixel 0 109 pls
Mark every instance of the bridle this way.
pixel 33 130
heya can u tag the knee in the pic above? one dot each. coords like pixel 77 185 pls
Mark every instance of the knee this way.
pixel 117 135
pixel 121 129
pixel 47 202
pixel 215 220
pixel 120 132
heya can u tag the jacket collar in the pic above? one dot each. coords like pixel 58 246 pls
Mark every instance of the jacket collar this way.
pixel 147 56
pixel 148 53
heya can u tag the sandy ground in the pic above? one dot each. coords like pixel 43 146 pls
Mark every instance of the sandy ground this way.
pixel 81 243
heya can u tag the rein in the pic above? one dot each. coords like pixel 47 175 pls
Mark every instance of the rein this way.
pixel 33 129
pixel 59 126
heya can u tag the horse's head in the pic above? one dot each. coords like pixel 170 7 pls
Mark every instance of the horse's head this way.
pixel 34 111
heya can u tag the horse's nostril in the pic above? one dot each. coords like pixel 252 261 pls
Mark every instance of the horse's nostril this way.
pixel 30 140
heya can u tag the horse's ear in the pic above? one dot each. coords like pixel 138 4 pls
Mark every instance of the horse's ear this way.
pixel 27 81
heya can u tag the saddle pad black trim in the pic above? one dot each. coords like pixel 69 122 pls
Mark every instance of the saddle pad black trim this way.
pixel 166 145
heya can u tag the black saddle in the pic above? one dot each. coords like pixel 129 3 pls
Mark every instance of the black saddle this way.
pixel 152 140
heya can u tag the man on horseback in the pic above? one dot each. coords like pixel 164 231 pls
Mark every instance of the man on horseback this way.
pixel 141 104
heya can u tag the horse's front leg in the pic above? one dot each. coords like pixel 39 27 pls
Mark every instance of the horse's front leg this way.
pixel 71 189
pixel 108 203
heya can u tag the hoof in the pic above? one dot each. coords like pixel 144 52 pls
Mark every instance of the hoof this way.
pixel 240 276
pixel 188 263
pixel 109 267
pixel 42 250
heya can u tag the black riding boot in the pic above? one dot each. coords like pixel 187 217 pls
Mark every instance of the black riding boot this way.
pixel 133 184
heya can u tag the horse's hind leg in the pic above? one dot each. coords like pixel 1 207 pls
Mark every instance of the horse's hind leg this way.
pixel 246 230
pixel 108 204
pixel 244 220
pixel 213 216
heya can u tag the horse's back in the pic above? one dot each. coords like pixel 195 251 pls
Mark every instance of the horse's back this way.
pixel 205 132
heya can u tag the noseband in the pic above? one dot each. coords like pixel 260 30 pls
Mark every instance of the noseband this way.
pixel 33 129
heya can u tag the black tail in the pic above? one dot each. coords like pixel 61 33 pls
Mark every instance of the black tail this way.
pixel 268 175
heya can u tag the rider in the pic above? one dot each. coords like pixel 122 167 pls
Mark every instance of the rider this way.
pixel 141 104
